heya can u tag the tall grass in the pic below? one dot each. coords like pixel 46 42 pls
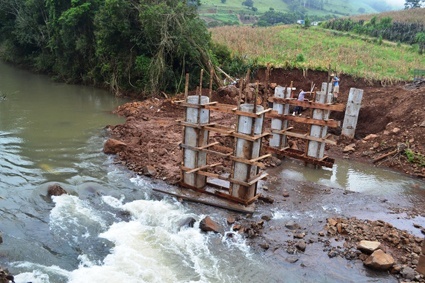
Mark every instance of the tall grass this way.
pixel 317 49
pixel 405 16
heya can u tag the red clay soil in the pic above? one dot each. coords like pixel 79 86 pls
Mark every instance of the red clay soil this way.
pixel 395 115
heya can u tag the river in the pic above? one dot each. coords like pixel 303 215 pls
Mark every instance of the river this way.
pixel 111 227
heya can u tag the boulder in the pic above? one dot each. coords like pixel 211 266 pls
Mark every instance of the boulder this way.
pixel 408 273
pixel 113 146
pixel 379 260
pixel 5 276
pixel 368 247
pixel 207 225
pixel 187 222
pixel 55 190
pixel 149 171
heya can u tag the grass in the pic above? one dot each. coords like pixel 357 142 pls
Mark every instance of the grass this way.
pixel 404 16
pixel 283 46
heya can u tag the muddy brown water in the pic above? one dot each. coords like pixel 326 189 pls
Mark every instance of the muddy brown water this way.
pixel 113 228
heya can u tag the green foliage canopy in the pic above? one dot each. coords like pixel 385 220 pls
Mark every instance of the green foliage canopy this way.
pixel 139 46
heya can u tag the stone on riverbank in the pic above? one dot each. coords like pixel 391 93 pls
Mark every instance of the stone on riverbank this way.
pixel 113 146
pixel 368 247
pixel 379 260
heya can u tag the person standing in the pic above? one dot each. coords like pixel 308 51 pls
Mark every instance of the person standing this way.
pixel 301 97
pixel 335 88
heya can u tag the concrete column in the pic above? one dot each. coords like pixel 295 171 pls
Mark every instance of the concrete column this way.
pixel 326 114
pixel 316 131
pixel 277 140
pixel 247 150
pixel 352 112
pixel 196 138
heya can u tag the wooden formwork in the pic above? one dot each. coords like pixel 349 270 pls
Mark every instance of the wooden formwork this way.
pixel 224 191
pixel 284 149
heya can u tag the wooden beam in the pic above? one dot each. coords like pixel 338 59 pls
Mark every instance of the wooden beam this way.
pixel 185 146
pixel 309 104
pixel 257 178
pixel 298 154
pixel 304 136
pixel 330 123
pixel 200 168
pixel 247 161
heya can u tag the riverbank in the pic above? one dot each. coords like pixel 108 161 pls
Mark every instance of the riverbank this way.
pixel 389 116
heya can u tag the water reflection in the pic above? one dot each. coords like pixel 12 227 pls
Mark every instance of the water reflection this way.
pixel 353 176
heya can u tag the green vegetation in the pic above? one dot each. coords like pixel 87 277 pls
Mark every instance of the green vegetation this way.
pixel 414 157
pixel 316 48
pixel 382 28
pixel 219 12
pixel 143 47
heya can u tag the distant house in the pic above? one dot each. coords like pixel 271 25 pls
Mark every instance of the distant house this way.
pixel 301 22
pixel 315 23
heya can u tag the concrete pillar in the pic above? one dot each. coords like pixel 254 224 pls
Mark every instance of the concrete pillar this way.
pixel 195 138
pixel 247 150
pixel 277 140
pixel 315 130
pixel 352 112
pixel 326 114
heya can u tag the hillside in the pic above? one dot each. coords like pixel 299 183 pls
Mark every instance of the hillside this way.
pixel 317 49
pixel 234 12
pixel 404 16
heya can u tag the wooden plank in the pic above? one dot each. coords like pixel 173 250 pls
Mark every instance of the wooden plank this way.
pixel 231 198
pixel 208 174
pixel 306 137
pixel 257 178
pixel 196 126
pixel 247 161
pixel 305 120
pixel 215 201
pixel 191 105
pixel 250 138
pixel 297 154
pixel 264 111
pixel 200 168
pixel 260 157
pixel 309 104
pixel 185 146
pixel 208 145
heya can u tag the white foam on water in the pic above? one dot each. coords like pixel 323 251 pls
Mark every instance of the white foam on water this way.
pixel 73 217
pixel 39 274
pixel 153 248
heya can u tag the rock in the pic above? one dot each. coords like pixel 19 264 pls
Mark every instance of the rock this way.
pixel 349 148
pixel 266 199
pixel 369 137
pixel 301 245
pixel 231 220
pixel 299 236
pixel 291 225
pixel 55 190
pixel 188 222
pixel 207 225
pixel 5 277
pixel 368 247
pixel 422 124
pixel 379 260
pixel 332 221
pixel 285 194
pixel 408 273
pixel 149 171
pixel 375 145
pixel 395 130
pixel 1 238
pixel 291 259
pixel 266 217
pixel 264 245
pixel 276 161
pixel 113 146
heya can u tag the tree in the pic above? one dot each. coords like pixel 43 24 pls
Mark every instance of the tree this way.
pixel 420 39
pixel 411 4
